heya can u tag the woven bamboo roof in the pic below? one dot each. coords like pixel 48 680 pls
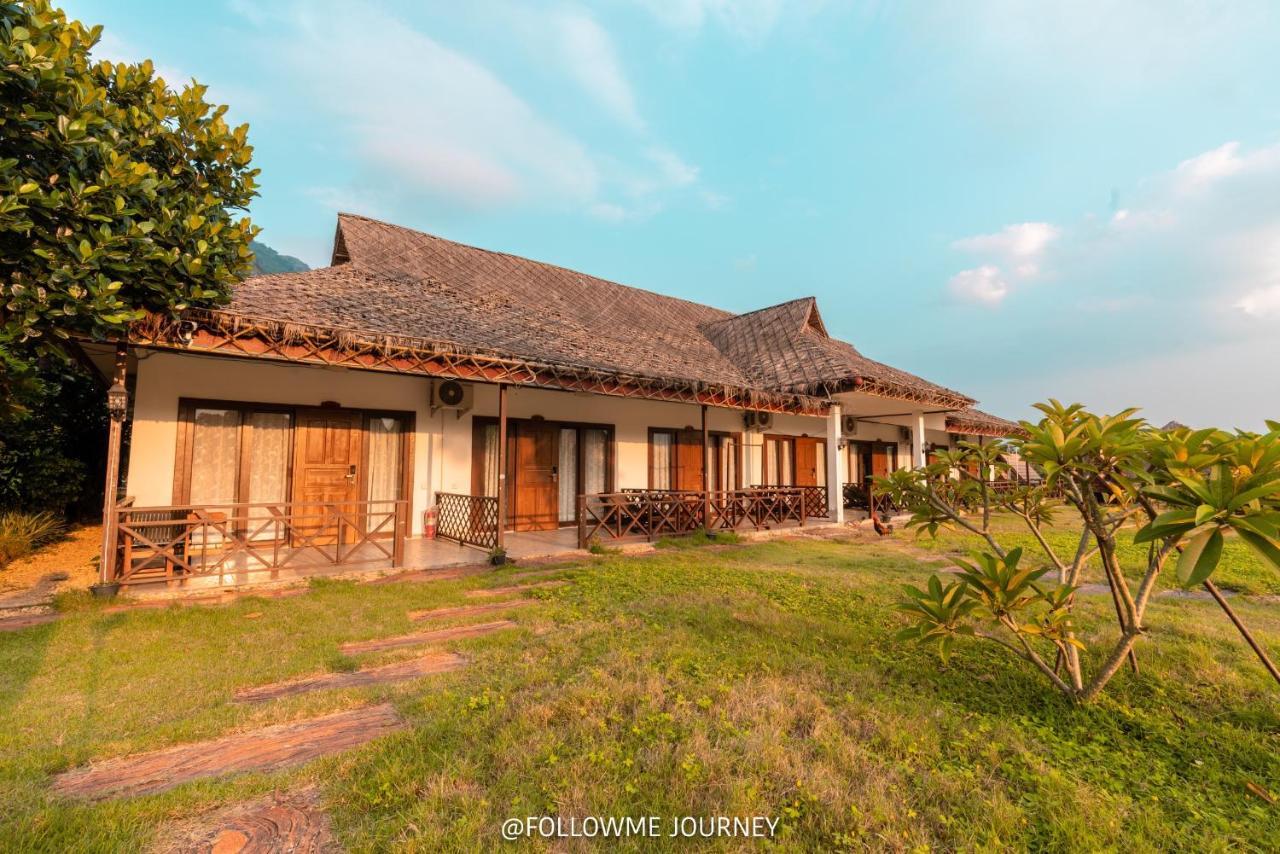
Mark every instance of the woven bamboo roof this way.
pixel 394 281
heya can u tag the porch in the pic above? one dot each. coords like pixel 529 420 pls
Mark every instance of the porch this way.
pixel 201 547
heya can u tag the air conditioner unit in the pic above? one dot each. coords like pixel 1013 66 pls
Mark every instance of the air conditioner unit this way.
pixel 757 420
pixel 451 394
pixel 848 425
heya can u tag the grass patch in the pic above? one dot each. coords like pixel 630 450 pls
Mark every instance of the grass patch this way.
pixel 759 680
pixel 698 539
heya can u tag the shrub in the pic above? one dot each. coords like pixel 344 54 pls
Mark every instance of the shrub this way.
pixel 23 533
pixel 1182 491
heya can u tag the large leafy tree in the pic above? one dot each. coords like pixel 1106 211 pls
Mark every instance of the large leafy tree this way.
pixel 118 194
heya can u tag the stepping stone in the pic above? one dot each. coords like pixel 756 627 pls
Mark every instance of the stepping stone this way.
pixel 267 749
pixel 506 591
pixel 280 822
pixel 437 662
pixel 417 575
pixel 26 621
pixel 538 573
pixel 451 633
pixel 468 610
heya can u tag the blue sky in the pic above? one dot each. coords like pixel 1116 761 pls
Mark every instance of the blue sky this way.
pixel 1018 200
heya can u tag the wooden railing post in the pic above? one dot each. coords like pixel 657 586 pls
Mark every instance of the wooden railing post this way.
pixel 502 464
pixel 400 528
pixel 117 408
pixel 582 521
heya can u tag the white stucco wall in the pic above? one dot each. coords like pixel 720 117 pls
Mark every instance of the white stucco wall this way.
pixel 164 378
pixel 442 444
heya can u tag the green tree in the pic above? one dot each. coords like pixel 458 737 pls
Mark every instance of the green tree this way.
pixel 118 194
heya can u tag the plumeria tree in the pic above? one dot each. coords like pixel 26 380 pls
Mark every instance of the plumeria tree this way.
pixel 1179 493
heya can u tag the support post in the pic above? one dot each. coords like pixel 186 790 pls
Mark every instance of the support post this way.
pixel 918 450
pixel 835 467
pixel 502 465
pixel 117 408
pixel 706 473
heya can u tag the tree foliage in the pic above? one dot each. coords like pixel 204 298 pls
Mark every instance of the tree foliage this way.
pixel 118 194
pixel 1179 492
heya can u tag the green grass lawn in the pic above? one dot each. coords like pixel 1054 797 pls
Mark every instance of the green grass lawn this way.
pixel 1240 570
pixel 744 680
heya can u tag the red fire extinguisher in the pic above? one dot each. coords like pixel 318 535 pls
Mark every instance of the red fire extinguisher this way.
pixel 429 523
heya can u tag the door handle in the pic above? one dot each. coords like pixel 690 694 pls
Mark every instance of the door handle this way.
pixel 351 472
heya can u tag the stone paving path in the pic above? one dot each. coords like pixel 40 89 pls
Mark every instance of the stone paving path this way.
pixel 485 592
pixel 266 749
pixel 468 610
pixel 417 638
pixel 279 823
pixel 400 671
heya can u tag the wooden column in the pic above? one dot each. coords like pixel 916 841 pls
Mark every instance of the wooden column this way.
pixel 117 408
pixel 706 472
pixel 502 464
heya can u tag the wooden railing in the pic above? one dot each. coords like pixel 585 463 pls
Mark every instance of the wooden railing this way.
pixel 469 520
pixel 654 513
pixel 175 542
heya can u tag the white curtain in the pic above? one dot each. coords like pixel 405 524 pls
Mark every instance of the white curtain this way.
pixel 489 474
pixel 268 471
pixel 268 456
pixel 822 463
pixel 785 464
pixel 215 456
pixel 385 475
pixel 595 461
pixel 769 474
pixel 567 473
pixel 660 475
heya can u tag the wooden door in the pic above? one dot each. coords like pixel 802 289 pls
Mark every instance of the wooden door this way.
pixel 881 464
pixel 535 484
pixel 807 461
pixel 688 461
pixel 326 475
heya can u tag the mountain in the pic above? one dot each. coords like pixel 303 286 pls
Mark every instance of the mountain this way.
pixel 267 260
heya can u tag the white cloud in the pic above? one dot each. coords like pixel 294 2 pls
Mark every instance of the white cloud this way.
pixel 587 53
pixel 1261 302
pixel 748 19
pixel 1025 241
pixel 673 171
pixel 429 122
pixel 1210 166
pixel 1013 253
pixel 983 284
pixel 439 121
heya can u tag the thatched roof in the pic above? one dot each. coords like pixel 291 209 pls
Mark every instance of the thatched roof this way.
pixel 392 281
pixel 975 422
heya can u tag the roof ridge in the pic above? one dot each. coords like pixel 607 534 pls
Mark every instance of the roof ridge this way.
pixel 746 314
pixel 527 260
